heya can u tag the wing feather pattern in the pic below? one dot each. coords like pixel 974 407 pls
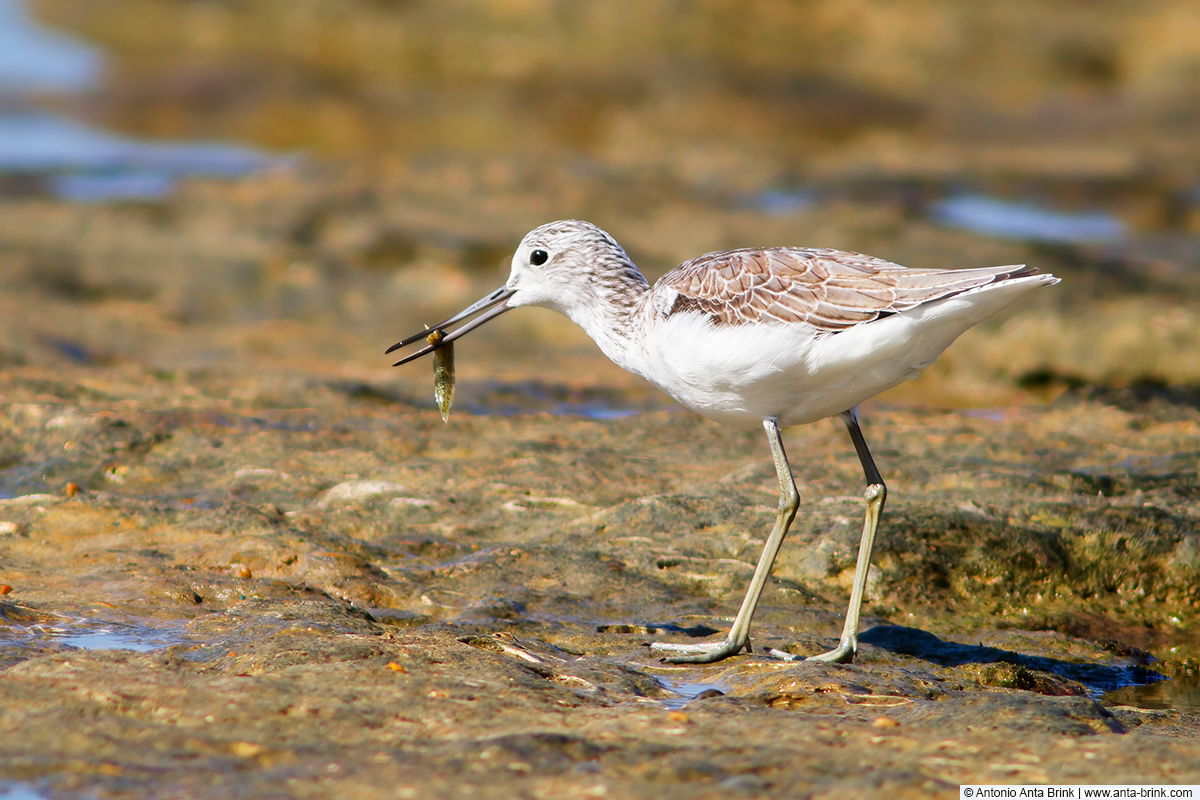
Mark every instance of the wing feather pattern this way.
pixel 831 290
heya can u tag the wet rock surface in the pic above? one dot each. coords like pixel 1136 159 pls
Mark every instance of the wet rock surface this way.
pixel 353 596
pixel 240 556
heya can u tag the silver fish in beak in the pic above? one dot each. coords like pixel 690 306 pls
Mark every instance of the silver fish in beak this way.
pixel 441 343
pixel 443 372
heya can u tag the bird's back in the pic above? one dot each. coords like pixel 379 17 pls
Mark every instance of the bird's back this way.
pixel 831 290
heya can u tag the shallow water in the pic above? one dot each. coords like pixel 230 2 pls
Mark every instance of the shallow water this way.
pixel 34 58
pixel 143 641
pixel 1027 221
pixel 17 791
pixel 1178 694
pixel 77 161
pixel 782 202
pixel 539 396
pixel 686 691
pixel 84 164
pixel 92 634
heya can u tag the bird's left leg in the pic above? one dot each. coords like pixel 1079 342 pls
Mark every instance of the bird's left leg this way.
pixel 739 633
pixel 876 494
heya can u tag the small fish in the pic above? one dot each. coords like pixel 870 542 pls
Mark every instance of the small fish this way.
pixel 443 373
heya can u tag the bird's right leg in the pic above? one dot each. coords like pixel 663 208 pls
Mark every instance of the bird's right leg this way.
pixel 739 633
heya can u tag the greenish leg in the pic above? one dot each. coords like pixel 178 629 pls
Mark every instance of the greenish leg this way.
pixel 739 634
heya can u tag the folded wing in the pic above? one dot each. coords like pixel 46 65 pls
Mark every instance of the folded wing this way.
pixel 831 290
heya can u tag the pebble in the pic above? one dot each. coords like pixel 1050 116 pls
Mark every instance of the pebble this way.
pixel 355 491
pixel 28 499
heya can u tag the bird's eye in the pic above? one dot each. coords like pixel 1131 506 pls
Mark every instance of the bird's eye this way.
pixel 538 257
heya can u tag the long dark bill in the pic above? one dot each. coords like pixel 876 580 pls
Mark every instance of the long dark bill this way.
pixel 492 306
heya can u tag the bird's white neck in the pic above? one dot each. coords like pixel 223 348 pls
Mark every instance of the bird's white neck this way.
pixel 608 312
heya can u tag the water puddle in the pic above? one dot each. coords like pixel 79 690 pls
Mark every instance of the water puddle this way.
pixel 781 202
pixel 687 691
pixel 20 791
pixel 141 641
pixel 973 211
pixel 82 633
pixel 35 59
pixel 510 398
pixel 513 398
pixel 75 161
pixel 1027 221
pixel 1179 694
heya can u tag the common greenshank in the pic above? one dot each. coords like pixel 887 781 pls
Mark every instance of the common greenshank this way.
pixel 774 336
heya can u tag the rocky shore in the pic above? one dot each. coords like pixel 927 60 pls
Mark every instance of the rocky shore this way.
pixel 241 556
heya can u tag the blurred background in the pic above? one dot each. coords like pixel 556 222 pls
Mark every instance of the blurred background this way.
pixel 285 187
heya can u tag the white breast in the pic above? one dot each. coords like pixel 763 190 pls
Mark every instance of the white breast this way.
pixel 743 374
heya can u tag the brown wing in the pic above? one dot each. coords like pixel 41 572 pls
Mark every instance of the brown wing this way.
pixel 829 289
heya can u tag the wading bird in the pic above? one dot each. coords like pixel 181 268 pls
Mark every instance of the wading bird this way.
pixel 775 336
